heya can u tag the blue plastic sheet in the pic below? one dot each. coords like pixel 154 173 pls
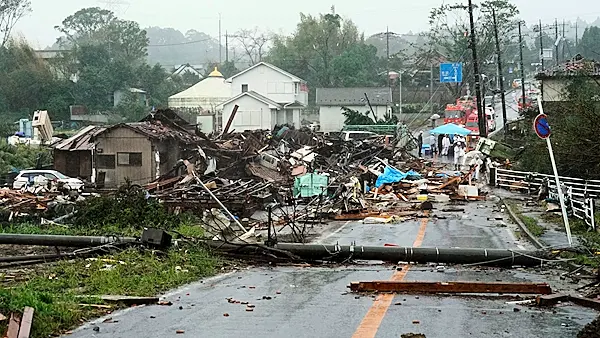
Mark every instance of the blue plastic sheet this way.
pixel 391 175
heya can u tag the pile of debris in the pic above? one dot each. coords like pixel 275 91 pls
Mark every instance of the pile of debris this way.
pixel 23 203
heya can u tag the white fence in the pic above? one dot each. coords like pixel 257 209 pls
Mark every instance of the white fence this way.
pixel 580 193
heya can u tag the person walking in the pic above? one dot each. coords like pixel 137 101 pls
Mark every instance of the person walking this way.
pixel 445 145
pixel 459 153
pixel 420 143
pixel 433 144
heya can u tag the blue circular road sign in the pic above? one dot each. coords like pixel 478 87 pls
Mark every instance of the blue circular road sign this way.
pixel 541 126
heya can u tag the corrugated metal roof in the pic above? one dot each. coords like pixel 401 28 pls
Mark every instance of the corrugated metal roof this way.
pixel 379 96
pixel 572 68
pixel 159 131
pixel 82 140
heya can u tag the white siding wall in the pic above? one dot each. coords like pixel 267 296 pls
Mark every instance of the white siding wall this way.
pixel 331 118
pixel 269 83
pixel 251 115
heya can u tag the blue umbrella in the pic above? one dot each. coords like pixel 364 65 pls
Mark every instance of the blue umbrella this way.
pixel 450 129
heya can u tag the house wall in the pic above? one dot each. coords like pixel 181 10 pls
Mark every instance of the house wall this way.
pixel 169 153
pixel 74 163
pixel 331 118
pixel 251 115
pixel 127 141
pixel 270 83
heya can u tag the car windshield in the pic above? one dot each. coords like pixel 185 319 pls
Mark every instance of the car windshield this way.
pixel 57 174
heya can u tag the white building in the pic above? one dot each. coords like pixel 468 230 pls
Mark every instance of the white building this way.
pixel 331 100
pixel 203 100
pixel 267 96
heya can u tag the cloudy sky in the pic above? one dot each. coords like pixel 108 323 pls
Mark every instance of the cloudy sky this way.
pixel 276 15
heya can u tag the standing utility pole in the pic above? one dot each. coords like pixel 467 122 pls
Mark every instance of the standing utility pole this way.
pixel 220 45
pixel 480 113
pixel 564 40
pixel 522 68
pixel 500 73
pixel 576 39
pixel 431 87
pixel 226 47
pixel 542 58
pixel 556 41
pixel 387 60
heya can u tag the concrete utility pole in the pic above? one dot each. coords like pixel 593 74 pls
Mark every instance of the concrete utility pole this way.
pixel 564 40
pixel 220 45
pixel 556 40
pixel 522 68
pixel 542 58
pixel 576 38
pixel 480 113
pixel 387 60
pixel 226 47
pixel 500 73
pixel 431 87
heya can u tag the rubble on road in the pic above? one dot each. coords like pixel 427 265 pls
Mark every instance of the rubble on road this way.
pixel 303 176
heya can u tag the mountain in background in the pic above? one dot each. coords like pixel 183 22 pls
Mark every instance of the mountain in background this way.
pixel 172 48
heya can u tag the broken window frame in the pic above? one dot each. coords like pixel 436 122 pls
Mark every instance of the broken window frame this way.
pixel 102 164
pixel 132 161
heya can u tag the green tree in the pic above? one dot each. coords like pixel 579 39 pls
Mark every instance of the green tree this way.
pixel 449 36
pixel 95 26
pixel 357 66
pixel 311 50
pixel 590 43
pixel 11 11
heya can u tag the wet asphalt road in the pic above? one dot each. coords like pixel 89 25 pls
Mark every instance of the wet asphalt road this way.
pixel 314 301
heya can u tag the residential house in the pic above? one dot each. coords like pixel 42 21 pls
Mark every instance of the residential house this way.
pixel 139 152
pixel 331 101
pixel 555 80
pixel 267 96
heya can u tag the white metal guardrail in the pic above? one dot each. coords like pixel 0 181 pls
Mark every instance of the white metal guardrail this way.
pixel 580 193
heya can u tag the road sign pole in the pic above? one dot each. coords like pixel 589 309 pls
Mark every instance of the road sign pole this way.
pixel 561 197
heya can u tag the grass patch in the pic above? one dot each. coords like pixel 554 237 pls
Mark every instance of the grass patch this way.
pixel 56 290
pixel 532 225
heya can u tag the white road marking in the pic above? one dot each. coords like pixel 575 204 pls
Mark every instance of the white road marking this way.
pixel 333 233
pixel 512 235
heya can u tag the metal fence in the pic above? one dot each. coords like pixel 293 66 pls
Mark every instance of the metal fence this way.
pixel 580 193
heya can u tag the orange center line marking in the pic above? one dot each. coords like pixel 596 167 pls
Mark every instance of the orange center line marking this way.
pixel 370 324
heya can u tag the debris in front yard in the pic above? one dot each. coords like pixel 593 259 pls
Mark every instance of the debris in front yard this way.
pixel 20 326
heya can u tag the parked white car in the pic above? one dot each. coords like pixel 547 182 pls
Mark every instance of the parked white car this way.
pixel 28 177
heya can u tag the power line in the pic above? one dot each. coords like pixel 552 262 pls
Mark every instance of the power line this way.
pixel 182 43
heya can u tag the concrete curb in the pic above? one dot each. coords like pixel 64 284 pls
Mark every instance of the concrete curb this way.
pixel 523 227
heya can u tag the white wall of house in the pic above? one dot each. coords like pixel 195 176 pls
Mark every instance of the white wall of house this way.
pixel 270 83
pixel 331 118
pixel 252 114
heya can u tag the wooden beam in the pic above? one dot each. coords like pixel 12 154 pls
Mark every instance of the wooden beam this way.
pixel 13 326
pixel 26 322
pixel 451 287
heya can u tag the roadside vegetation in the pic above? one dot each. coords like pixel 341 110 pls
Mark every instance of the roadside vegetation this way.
pixel 60 291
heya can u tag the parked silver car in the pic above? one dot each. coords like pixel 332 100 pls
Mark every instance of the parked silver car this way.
pixel 27 177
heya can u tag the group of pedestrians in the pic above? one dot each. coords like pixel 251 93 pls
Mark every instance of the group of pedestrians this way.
pixel 458 144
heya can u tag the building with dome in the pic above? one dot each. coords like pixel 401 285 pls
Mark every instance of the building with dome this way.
pixel 203 99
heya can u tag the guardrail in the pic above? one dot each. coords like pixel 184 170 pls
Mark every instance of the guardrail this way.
pixel 580 193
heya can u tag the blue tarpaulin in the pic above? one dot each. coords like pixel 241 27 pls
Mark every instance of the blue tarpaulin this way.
pixel 391 175
pixel 450 129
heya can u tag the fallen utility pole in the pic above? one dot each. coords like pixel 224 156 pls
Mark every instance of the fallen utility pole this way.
pixel 451 287
pixel 493 257
pixel 560 297
pixel 58 240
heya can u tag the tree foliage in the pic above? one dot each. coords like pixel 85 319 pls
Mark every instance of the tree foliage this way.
pixel 354 117
pixel 449 36
pixel 575 126
pixel 11 11
pixel 590 43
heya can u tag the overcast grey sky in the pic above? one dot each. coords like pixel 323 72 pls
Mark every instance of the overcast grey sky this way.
pixel 277 15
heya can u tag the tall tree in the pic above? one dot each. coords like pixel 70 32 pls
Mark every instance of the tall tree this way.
pixel 590 43
pixel 11 11
pixel 310 52
pixel 449 35
pixel 96 26
pixel 254 43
